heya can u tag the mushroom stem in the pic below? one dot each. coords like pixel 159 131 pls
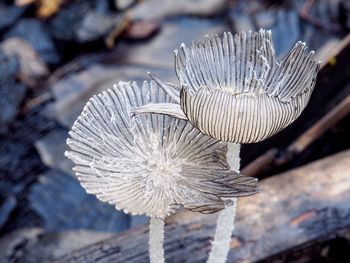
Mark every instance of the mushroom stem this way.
pixel 226 219
pixel 156 237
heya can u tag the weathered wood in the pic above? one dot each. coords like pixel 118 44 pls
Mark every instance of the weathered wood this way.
pixel 263 162
pixel 326 122
pixel 334 248
pixel 305 204
pixel 33 245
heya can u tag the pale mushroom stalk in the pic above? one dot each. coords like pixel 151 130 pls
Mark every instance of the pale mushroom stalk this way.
pixel 226 218
pixel 156 239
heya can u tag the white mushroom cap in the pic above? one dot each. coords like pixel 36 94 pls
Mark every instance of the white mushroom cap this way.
pixel 150 164
pixel 234 89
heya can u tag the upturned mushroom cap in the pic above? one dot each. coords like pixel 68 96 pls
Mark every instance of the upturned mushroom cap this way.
pixel 150 164
pixel 234 89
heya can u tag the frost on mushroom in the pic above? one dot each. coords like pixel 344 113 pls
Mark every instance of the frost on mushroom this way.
pixel 234 89
pixel 150 164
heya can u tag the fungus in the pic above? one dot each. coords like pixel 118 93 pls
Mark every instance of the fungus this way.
pixel 235 90
pixel 150 164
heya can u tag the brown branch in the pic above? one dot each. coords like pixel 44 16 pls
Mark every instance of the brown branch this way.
pixel 324 124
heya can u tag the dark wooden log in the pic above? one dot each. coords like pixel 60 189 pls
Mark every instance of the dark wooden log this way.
pixel 299 206
pixel 34 245
pixel 336 248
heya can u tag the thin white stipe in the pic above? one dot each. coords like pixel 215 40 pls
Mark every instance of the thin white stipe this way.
pixel 156 239
pixel 226 218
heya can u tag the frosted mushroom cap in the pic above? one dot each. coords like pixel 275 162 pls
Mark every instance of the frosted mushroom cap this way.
pixel 150 164
pixel 235 90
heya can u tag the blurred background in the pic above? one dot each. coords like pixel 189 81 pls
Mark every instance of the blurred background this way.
pixel 55 54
